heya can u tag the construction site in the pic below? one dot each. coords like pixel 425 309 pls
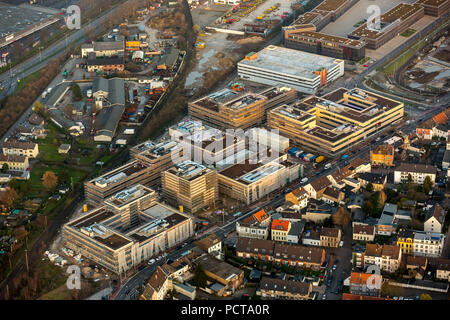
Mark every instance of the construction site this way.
pixel 257 17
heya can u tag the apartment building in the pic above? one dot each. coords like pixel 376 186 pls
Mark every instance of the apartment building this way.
pixel 135 172
pixel 405 240
pixel 386 225
pixel 335 122
pixel 393 22
pixel 428 244
pixel 366 284
pixel 378 180
pixel 114 241
pixel 14 162
pixel 330 237
pixel 249 180
pixel 333 196
pixel 302 71
pixel 108 65
pixel 316 188
pixel 435 8
pixel 157 286
pixel 284 289
pixel 19 148
pixel 281 253
pixel 297 199
pixel 256 226
pixel 306 38
pixel 280 229
pixel 418 172
pixel 190 185
pixel 228 109
pixel 382 155
pixel 386 257
pixel 363 232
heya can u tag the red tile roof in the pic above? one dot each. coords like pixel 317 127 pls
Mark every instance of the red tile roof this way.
pixel 279 224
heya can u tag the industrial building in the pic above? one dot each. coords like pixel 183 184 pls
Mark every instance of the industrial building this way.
pixel 306 38
pixel 278 66
pixel 190 185
pixel 131 228
pixel 337 121
pixel 249 181
pixel 227 109
pixel 103 49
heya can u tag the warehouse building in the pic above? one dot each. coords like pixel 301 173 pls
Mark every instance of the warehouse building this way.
pixel 335 122
pixel 277 66
pixel 190 185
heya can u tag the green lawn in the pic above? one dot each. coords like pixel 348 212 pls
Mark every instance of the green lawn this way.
pixel 364 60
pixel 408 33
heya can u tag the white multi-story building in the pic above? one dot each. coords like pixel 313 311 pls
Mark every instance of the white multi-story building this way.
pixel 428 244
pixel 436 219
pixel 303 71
pixel 385 257
pixel 257 226
pixel 418 172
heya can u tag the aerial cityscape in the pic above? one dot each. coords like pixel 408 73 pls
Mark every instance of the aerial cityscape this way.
pixel 234 150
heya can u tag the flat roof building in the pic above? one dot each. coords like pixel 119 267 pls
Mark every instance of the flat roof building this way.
pixel 110 183
pixel 190 185
pixel 336 121
pixel 278 66
pixel 306 38
pixel 249 182
pixel 227 109
pixel 106 236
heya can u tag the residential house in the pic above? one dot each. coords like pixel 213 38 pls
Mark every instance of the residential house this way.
pixel 333 196
pixel 284 289
pixel 297 199
pixel 442 269
pixel 280 229
pixel 318 212
pixel 158 285
pixel 385 225
pixel 376 179
pixel 330 237
pixel 363 232
pixel 311 238
pixel 15 147
pixel 382 155
pixel 386 257
pixel 366 284
pixel 316 188
pixel 210 244
pixel 295 232
pixel 255 226
pixel 405 240
pixel 435 220
pixel 418 172
pixel 14 162
pixel 416 266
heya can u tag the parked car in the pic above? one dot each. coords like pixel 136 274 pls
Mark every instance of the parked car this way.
pixel 151 261
pixel 304 180
pixel 324 297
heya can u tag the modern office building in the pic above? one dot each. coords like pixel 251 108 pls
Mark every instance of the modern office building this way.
pixel 249 181
pixel 128 230
pixel 278 66
pixel 114 181
pixel 435 8
pixel 228 109
pixel 331 124
pixel 306 38
pixel 190 185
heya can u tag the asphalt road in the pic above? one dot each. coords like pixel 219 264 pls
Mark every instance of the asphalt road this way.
pixel 9 79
